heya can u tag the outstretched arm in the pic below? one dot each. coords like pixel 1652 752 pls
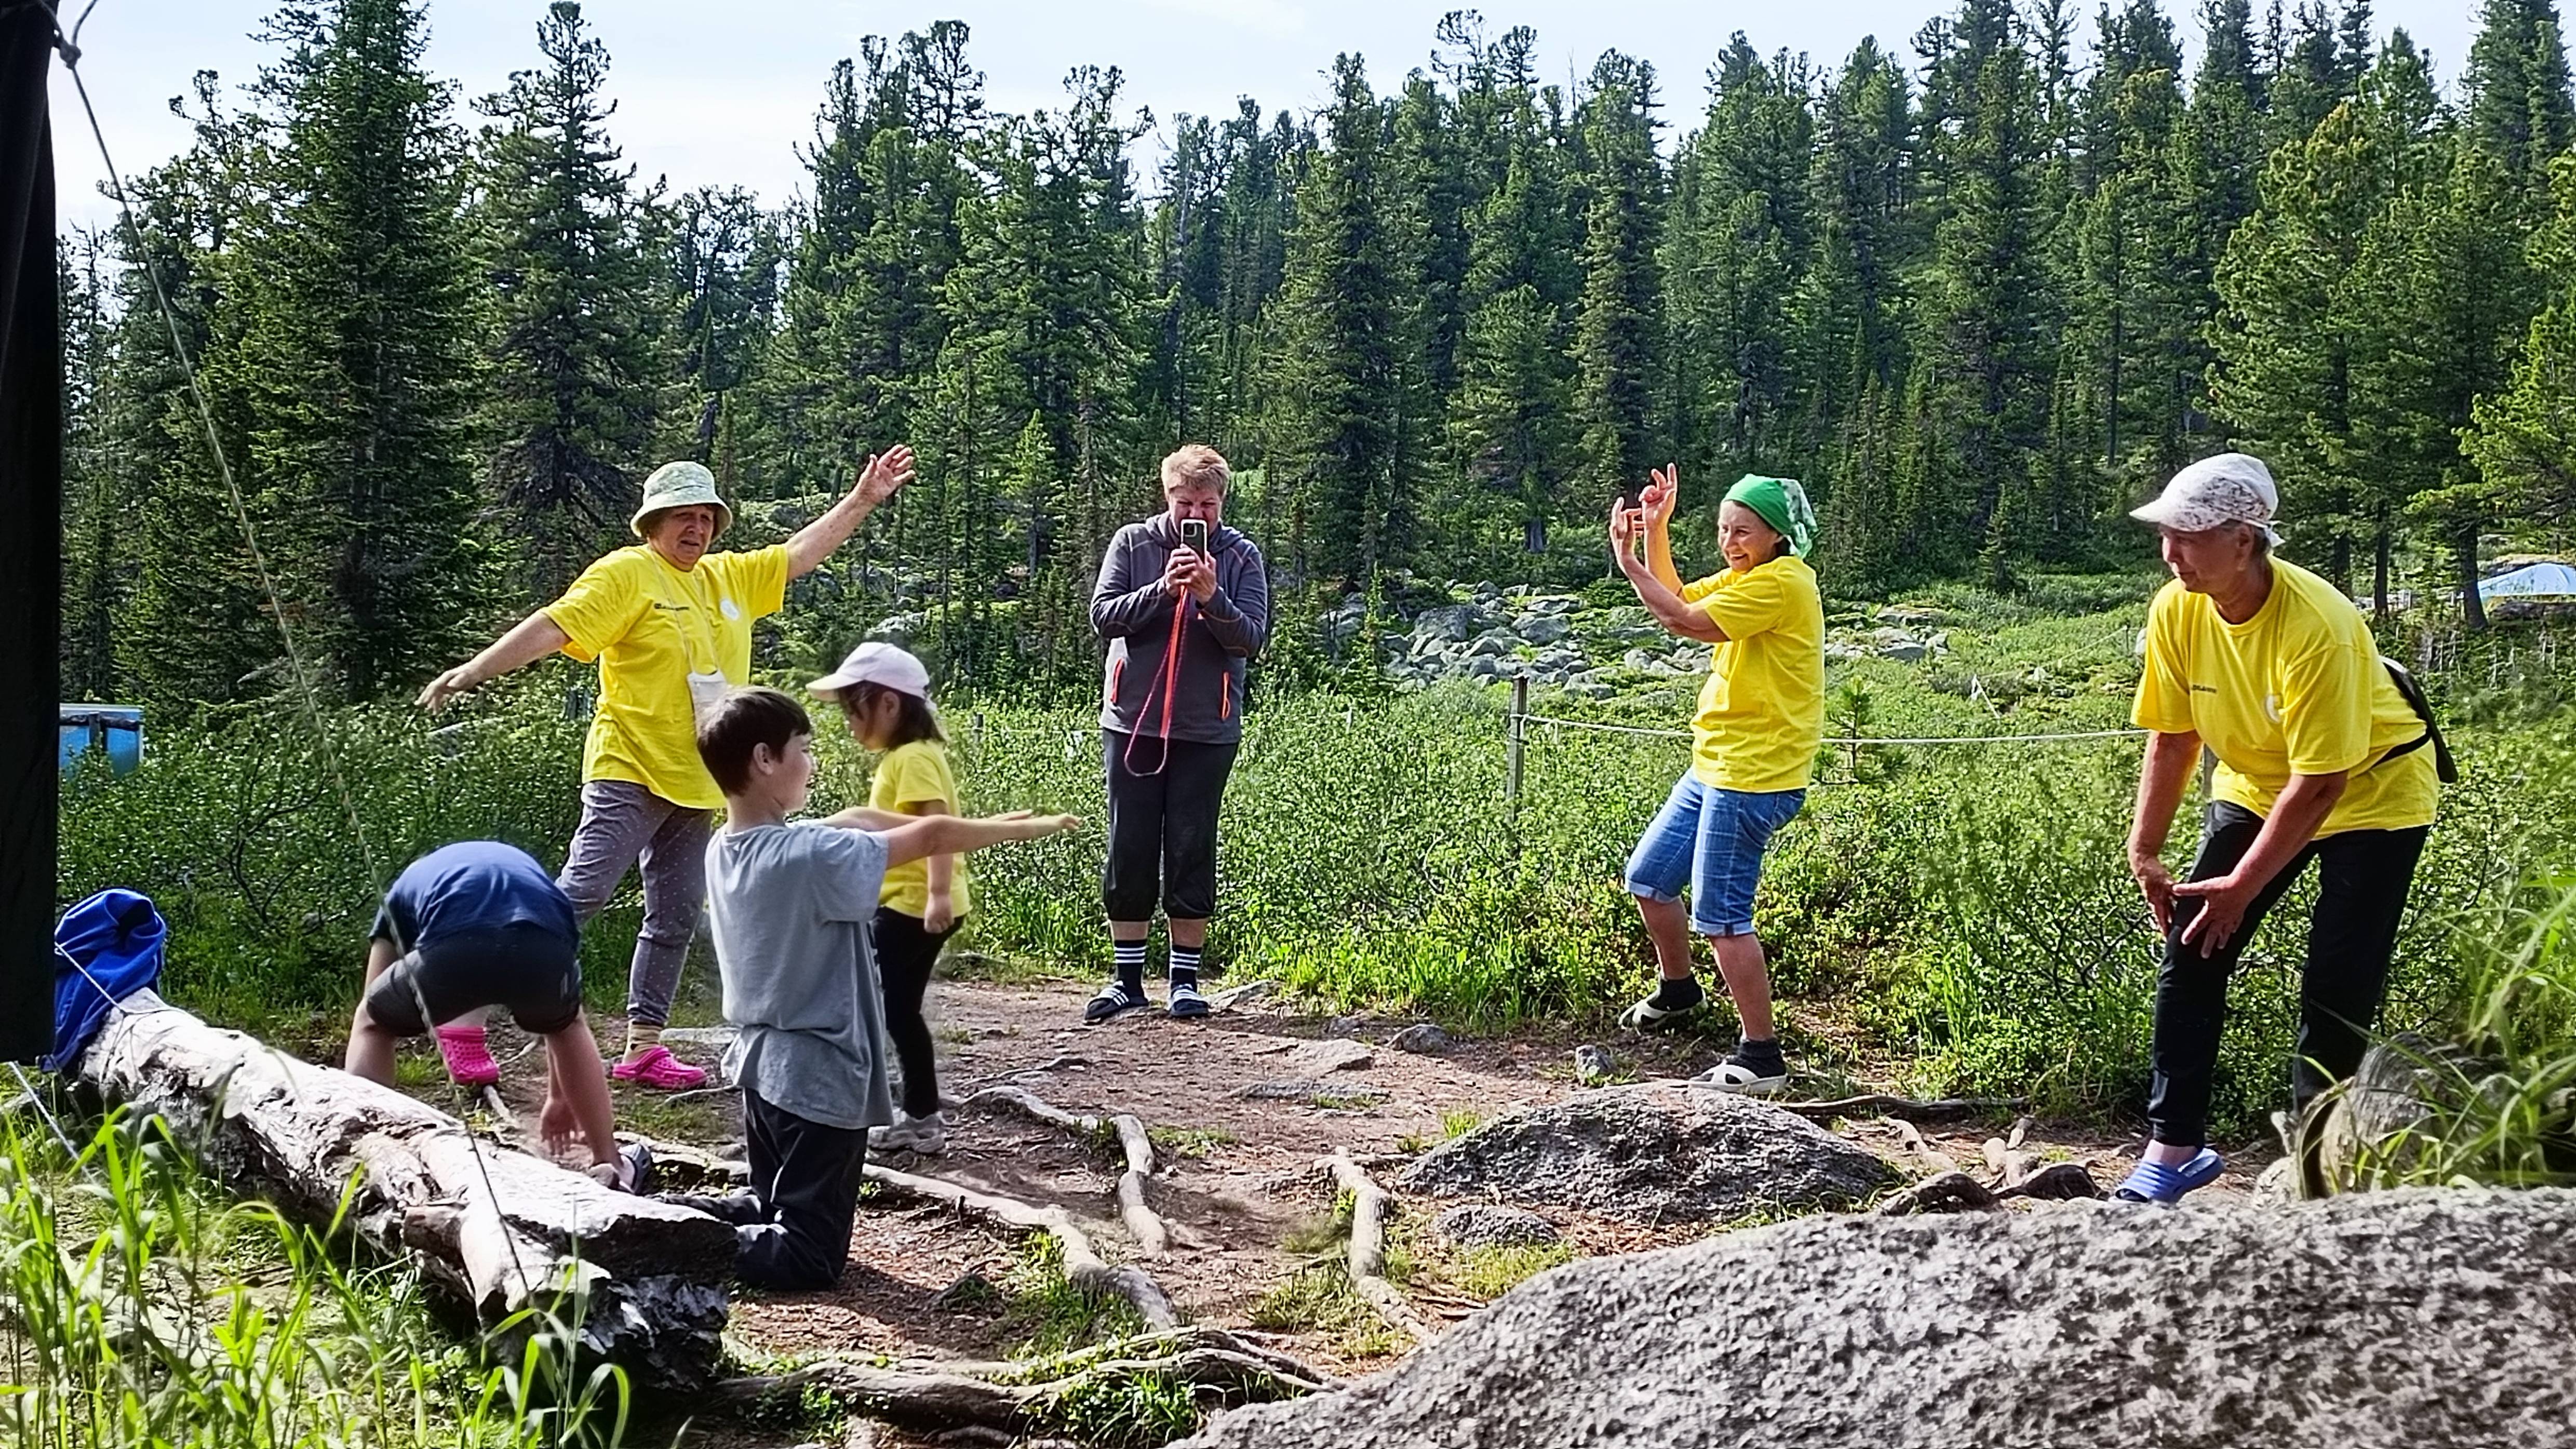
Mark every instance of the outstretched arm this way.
pixel 535 637
pixel 955 835
pixel 885 473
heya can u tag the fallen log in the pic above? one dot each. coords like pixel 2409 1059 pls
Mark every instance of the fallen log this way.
pixel 493 1231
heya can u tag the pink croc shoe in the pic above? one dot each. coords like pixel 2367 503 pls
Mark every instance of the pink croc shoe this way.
pixel 468 1056
pixel 657 1068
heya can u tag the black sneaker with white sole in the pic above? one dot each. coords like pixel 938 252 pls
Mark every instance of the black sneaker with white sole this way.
pixel 1115 999
pixel 1674 999
pixel 1754 1068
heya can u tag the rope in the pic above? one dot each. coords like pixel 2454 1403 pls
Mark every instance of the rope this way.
pixel 1169 686
pixel 1665 734
pixel 71 55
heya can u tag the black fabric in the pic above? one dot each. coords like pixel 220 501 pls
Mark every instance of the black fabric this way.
pixel 1162 829
pixel 792 1228
pixel 530 971
pixel 906 950
pixel 2445 769
pixel 31 492
pixel 2362 880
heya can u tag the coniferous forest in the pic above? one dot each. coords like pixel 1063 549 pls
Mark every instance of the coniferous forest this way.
pixel 1981 287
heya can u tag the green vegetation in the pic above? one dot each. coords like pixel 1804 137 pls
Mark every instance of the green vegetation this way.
pixel 1047 1315
pixel 1321 1300
pixel 140 1310
pixel 1491 1272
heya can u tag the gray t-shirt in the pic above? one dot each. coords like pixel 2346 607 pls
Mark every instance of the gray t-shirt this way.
pixel 791 906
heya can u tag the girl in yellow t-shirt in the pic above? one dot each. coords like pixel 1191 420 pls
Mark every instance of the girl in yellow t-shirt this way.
pixel 884 693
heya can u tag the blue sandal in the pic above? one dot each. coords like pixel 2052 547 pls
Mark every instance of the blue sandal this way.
pixel 2155 1182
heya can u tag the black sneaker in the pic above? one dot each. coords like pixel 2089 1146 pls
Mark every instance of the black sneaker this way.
pixel 1673 1000
pixel 1755 1069
pixel 1114 999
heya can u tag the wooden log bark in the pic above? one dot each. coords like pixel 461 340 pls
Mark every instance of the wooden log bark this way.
pixel 494 1231
pixel 1153 1237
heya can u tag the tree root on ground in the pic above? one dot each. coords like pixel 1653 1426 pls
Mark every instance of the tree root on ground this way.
pixel 1153 1236
pixel 1367 1260
pixel 1907 1108
pixel 1218 1367
pixel 1084 1268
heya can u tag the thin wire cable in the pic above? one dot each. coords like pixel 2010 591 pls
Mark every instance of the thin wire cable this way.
pixel 36 1100
pixel 1670 734
pixel 250 541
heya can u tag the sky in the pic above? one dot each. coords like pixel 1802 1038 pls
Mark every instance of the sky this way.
pixel 720 94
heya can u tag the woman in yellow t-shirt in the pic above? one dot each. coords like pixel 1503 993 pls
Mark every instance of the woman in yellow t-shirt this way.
pixel 2320 757
pixel 1761 717
pixel 884 693
pixel 670 624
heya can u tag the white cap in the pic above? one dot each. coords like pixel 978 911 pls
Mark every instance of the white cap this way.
pixel 876 662
pixel 2214 492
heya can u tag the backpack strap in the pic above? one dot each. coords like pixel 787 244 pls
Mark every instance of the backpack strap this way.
pixel 2444 767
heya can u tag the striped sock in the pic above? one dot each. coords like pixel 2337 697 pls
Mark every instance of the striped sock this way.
pixel 1185 965
pixel 1130 957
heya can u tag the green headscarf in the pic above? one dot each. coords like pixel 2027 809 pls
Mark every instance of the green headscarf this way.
pixel 1782 504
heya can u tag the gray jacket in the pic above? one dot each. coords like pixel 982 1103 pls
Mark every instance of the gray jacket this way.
pixel 1133 611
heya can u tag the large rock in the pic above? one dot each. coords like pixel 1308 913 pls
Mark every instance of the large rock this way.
pixel 1656 1152
pixel 2401 1319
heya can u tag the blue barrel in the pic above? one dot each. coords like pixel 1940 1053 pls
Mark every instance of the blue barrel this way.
pixel 115 729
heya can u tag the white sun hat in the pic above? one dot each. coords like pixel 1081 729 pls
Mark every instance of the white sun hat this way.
pixel 876 662
pixel 2214 492
pixel 681 485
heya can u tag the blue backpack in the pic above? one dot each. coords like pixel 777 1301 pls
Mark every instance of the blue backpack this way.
pixel 105 949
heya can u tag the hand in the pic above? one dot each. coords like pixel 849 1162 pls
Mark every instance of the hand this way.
pixel 1624 523
pixel 558 1125
pixel 939 913
pixel 2223 902
pixel 1040 826
pixel 1662 491
pixel 435 694
pixel 1202 576
pixel 2157 884
pixel 885 473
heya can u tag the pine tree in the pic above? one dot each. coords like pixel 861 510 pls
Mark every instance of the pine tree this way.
pixel 1621 188
pixel 349 303
pixel 2519 106
pixel 2524 438
pixel 724 260
pixel 580 363
pixel 1336 370
pixel 94 517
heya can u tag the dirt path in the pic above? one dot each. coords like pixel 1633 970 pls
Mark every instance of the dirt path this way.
pixel 1240 1107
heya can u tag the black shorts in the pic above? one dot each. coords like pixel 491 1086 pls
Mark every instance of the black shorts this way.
pixel 527 970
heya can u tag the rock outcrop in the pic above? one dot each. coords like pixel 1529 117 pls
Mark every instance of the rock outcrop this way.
pixel 2407 1318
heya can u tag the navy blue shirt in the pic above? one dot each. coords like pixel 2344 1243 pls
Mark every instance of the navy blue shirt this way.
pixel 474 885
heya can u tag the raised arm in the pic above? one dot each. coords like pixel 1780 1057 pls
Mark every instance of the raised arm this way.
pixel 1122 604
pixel 535 637
pixel 1662 600
pixel 1240 620
pixel 815 542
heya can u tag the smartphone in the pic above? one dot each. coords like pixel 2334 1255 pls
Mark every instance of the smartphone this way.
pixel 1194 535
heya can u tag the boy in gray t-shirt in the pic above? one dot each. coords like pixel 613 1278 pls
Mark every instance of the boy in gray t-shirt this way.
pixel 790 906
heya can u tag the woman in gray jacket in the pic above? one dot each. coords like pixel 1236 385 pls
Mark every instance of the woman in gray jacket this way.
pixel 1185 603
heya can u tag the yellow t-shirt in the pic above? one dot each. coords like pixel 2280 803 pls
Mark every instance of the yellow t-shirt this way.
pixel 651 626
pixel 2297 689
pixel 917 774
pixel 1762 712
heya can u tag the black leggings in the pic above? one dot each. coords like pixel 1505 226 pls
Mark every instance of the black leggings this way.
pixel 906 950
pixel 2362 878
pixel 1162 827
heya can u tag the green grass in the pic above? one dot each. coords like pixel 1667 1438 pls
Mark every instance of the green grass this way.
pixel 1320 1300
pixel 1047 1315
pixel 1490 1272
pixel 141 1310
pixel 1189 1141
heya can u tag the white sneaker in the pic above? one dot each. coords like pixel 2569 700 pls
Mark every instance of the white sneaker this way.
pixel 927 1136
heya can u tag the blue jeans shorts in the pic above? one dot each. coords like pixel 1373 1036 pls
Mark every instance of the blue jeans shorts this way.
pixel 1712 840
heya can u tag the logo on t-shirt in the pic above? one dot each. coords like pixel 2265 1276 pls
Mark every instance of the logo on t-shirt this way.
pixel 2272 708
pixel 726 604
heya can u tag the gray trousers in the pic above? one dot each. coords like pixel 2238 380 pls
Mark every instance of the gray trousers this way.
pixel 623 823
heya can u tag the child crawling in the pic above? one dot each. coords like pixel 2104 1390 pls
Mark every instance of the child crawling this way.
pixel 480 924
pixel 791 906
